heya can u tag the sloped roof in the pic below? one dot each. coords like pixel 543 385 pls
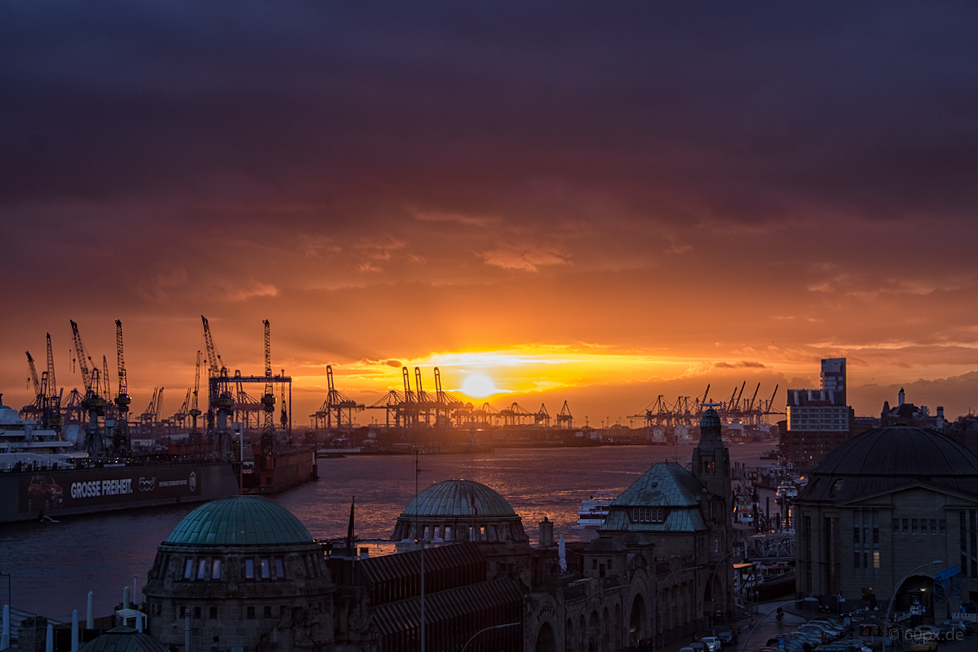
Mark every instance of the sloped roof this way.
pixel 666 484
pixel 471 601
pixel 887 458
pixel 239 521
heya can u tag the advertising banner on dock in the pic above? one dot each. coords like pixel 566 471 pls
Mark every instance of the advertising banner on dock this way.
pixel 106 487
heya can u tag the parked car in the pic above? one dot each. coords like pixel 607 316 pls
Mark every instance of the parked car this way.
pixel 728 638
pixel 713 644
pixel 923 643
pixel 964 626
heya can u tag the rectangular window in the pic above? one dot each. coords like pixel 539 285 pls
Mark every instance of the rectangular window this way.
pixel 213 613
pixel 188 569
pixel 251 613
pixel 268 612
pixel 943 526
pixel 963 529
pixel 249 569
pixel 896 525
pixel 197 612
pixel 876 561
pixel 933 526
pixel 905 528
pixel 264 569
pixel 201 569
pixel 913 526
pixel 279 568
pixel 216 569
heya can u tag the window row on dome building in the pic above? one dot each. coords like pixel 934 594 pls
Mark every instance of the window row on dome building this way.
pixel 648 514
pixel 212 568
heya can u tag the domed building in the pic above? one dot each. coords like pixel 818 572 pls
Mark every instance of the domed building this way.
pixel 124 639
pixel 464 510
pixel 247 574
pixel 876 514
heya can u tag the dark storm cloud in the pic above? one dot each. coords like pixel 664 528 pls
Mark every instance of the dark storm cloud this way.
pixel 749 114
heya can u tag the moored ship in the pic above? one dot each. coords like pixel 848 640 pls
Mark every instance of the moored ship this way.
pixel 594 510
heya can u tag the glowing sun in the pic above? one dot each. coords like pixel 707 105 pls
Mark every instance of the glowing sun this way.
pixel 478 386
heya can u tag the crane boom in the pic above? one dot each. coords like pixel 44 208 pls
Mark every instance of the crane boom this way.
pixel 82 357
pixel 268 399
pixel 34 381
pixel 121 362
pixel 52 383
pixel 214 362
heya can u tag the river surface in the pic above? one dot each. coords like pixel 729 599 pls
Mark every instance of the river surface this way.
pixel 53 566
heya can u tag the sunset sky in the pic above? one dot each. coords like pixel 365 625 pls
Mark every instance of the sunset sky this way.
pixel 597 203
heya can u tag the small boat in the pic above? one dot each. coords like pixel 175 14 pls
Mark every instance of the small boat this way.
pixel 594 510
pixel 786 490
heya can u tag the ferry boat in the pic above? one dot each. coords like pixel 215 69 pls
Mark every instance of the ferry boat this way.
pixel 594 510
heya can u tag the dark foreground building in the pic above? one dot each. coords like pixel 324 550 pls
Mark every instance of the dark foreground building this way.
pixel 878 510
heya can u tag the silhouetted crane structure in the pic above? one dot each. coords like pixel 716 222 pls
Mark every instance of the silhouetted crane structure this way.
pixel 225 407
pixel 93 402
pixel 391 403
pixel 194 411
pixel 335 405
pixel 565 420
pixel 122 399
pixel 542 418
pixel 660 413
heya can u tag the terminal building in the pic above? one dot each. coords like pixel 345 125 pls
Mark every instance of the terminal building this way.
pixel 876 514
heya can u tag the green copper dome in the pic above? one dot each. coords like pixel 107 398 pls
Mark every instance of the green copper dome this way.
pixel 124 639
pixel 239 521
pixel 458 498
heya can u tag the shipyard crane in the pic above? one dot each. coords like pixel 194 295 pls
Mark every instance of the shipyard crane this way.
pixel 52 383
pixel 149 415
pixel 445 403
pixel 180 416
pixel 542 417
pixel 564 418
pixel 423 400
pixel 219 398
pixel 215 364
pixel 391 402
pixel 93 402
pixel 53 395
pixel 194 412
pixel 35 408
pixel 35 383
pixel 82 357
pixel 284 416
pixel 335 403
pixel 268 398
pixel 122 399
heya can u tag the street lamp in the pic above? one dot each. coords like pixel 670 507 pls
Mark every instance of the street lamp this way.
pixel 486 629
pixel 889 608
pixel 713 597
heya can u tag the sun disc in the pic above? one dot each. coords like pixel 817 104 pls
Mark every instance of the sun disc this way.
pixel 478 386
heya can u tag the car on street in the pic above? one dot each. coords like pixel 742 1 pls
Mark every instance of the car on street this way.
pixel 923 643
pixel 713 644
pixel 963 626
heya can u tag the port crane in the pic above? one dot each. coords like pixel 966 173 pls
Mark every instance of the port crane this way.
pixel 93 402
pixel 335 404
pixel 122 399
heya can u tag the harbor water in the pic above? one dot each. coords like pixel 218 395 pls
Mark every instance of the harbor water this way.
pixel 53 565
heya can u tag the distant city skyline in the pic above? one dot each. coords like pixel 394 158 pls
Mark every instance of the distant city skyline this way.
pixel 599 204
